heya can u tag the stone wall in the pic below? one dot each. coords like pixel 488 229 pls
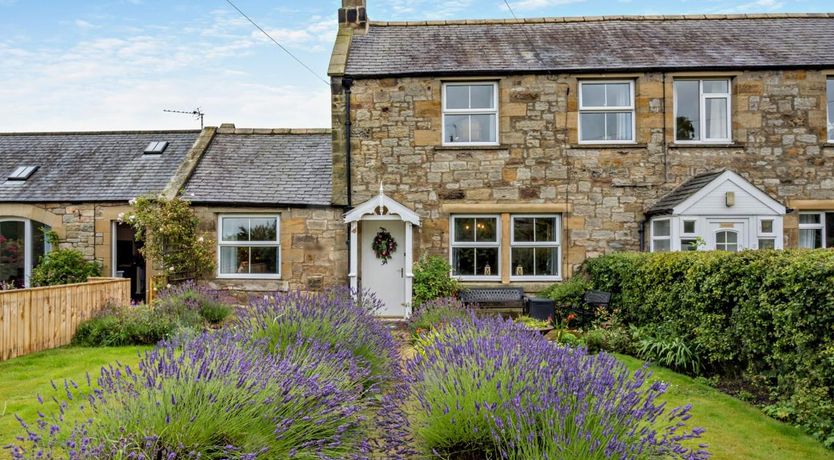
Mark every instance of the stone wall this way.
pixel 313 248
pixel 778 121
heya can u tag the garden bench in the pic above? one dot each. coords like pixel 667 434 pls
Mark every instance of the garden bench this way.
pixel 501 297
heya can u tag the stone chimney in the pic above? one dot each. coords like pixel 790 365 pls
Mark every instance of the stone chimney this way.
pixel 353 14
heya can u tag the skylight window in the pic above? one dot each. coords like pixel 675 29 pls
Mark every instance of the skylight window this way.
pixel 22 173
pixel 156 147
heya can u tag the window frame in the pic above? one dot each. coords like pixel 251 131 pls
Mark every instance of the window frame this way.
pixel 820 226
pixel 496 276
pixel 829 96
pixel 537 244
pixel 597 109
pixel 702 98
pixel 735 232
pixel 692 237
pixel 266 244
pixel 653 237
pixel 446 111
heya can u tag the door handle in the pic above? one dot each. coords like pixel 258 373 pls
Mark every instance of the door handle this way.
pixel 402 273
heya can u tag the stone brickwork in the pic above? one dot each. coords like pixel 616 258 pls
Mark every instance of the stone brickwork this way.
pixel 778 124
pixel 313 248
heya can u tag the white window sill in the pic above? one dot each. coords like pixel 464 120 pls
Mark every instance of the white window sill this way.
pixel 238 276
pixel 534 279
pixel 711 144
pixel 465 279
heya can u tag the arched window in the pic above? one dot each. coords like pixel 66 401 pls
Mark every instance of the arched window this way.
pixel 22 244
pixel 726 240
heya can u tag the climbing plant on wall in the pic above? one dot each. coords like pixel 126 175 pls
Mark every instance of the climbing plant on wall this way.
pixel 169 229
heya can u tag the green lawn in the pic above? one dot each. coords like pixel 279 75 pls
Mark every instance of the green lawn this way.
pixel 21 379
pixel 735 429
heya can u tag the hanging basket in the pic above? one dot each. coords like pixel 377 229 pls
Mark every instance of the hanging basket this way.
pixel 384 245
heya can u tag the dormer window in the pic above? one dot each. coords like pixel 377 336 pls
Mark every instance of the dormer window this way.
pixel 22 173
pixel 156 147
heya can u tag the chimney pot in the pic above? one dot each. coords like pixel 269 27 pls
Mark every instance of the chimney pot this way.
pixel 353 14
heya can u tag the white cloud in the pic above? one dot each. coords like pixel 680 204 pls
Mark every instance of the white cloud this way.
pixel 84 25
pixel 538 4
pixel 123 81
pixel 426 9
pixel 756 6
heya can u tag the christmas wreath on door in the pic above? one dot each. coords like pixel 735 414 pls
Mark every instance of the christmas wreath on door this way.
pixel 384 245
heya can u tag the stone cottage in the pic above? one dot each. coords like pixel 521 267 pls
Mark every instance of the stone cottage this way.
pixel 517 149
pixel 263 196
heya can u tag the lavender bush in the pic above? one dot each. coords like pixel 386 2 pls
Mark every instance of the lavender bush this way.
pixel 334 318
pixel 213 397
pixel 434 313
pixel 488 388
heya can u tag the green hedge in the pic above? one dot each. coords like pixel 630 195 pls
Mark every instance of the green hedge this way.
pixel 765 317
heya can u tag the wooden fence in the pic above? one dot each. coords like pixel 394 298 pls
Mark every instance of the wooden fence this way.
pixel 42 318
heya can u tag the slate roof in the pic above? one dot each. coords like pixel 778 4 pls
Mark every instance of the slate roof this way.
pixel 620 43
pixel 283 167
pixel 683 192
pixel 78 167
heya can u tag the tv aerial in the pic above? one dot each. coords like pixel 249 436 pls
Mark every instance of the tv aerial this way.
pixel 196 113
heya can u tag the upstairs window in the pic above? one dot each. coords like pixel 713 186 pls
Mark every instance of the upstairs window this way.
pixel 470 113
pixel 606 112
pixel 249 247
pixel 702 111
pixel 830 99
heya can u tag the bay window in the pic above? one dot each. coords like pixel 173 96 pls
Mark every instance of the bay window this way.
pixel 476 247
pixel 661 235
pixel 606 112
pixel 470 113
pixel 249 246
pixel 535 247
pixel 702 111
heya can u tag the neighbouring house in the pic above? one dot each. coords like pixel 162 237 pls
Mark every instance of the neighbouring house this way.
pixel 263 195
pixel 517 149
pixel 77 184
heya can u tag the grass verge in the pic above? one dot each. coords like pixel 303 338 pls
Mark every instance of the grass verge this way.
pixel 735 429
pixel 22 379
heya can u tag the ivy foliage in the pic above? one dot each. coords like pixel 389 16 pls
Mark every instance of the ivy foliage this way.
pixel 766 317
pixel 169 229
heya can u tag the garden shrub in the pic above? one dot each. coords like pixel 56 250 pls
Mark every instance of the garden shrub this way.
pixel 490 388
pixel 130 325
pixel 437 312
pixel 191 301
pixel 433 280
pixel 762 316
pixel 177 309
pixel 64 266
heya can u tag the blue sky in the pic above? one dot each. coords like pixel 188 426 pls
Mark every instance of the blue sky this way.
pixel 116 64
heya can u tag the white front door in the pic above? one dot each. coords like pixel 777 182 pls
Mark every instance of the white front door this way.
pixel 387 280
pixel 727 235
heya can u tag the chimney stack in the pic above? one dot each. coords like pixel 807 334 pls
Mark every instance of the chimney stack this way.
pixel 353 14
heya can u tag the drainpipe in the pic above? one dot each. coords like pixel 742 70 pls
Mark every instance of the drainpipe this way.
pixel 347 83
pixel 641 231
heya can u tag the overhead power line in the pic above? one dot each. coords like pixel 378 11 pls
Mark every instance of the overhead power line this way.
pixel 310 69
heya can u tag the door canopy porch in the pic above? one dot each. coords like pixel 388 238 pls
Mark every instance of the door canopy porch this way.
pixel 382 207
